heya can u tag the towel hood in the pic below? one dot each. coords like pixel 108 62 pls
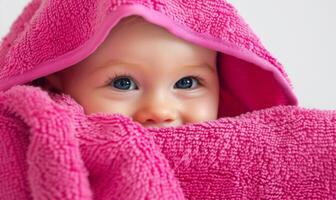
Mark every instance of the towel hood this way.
pixel 50 36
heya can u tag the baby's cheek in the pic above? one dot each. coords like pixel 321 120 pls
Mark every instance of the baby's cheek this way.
pixel 104 105
pixel 92 106
pixel 194 113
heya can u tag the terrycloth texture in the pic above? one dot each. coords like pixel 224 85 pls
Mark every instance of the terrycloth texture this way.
pixel 55 151
pixel 49 149
pixel 53 35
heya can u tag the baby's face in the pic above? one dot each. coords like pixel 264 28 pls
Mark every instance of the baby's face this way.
pixel 144 72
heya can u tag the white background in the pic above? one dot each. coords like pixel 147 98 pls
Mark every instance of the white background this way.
pixel 301 34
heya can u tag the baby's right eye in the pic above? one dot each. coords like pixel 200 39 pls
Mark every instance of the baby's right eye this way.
pixel 124 83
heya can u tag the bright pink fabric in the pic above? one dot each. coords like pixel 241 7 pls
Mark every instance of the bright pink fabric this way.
pixel 52 35
pixel 51 150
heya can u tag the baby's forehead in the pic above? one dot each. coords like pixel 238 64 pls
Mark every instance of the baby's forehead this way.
pixel 150 47
pixel 126 66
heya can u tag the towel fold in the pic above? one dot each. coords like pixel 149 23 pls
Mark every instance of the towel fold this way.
pixel 50 36
pixel 262 146
pixel 55 151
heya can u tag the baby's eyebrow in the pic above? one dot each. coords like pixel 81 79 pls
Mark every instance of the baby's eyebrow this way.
pixel 203 66
pixel 113 62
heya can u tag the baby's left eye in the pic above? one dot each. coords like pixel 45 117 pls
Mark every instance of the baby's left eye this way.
pixel 186 83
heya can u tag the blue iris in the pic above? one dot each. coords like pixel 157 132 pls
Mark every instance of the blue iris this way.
pixel 124 84
pixel 185 83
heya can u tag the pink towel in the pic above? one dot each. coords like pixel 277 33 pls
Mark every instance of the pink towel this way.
pixel 263 146
pixel 55 151
pixel 52 35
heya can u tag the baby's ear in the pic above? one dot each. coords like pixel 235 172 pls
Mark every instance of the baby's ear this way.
pixel 53 82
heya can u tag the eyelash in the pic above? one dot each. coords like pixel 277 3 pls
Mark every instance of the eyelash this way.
pixel 198 78
pixel 118 75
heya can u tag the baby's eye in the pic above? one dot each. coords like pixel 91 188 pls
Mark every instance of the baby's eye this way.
pixel 186 83
pixel 124 83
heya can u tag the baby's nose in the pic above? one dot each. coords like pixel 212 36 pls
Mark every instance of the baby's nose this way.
pixel 156 116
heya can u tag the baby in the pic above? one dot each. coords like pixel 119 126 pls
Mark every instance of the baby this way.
pixel 159 78
pixel 143 71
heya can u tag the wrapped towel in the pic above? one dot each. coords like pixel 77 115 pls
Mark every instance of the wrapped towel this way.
pixel 263 146
pixel 52 35
pixel 55 151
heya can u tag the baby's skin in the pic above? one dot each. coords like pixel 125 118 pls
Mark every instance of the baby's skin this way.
pixel 144 72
